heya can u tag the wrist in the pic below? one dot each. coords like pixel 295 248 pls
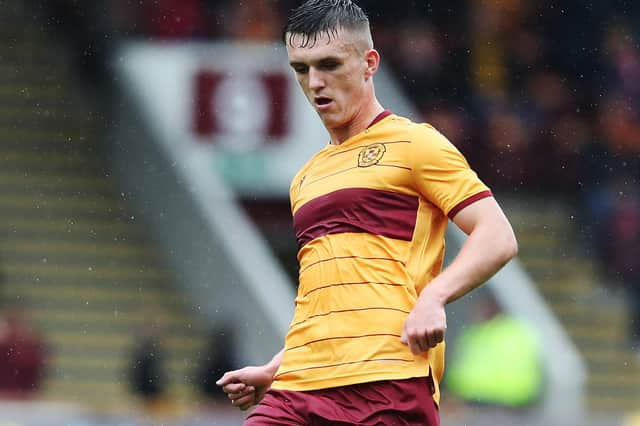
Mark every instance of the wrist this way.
pixel 271 369
pixel 433 293
pixel 272 366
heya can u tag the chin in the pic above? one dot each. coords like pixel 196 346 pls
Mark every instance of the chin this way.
pixel 332 122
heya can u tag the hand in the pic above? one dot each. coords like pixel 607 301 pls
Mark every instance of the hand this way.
pixel 247 386
pixel 425 326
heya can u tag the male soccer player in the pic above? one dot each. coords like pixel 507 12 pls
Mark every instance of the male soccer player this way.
pixel 366 344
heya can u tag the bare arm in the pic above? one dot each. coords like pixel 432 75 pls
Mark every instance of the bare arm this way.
pixel 490 245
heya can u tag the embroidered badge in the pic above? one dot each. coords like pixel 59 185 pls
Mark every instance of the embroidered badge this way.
pixel 371 155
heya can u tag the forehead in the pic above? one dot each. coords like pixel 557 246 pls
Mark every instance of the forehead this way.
pixel 340 44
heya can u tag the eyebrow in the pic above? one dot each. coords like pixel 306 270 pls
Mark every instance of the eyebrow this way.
pixel 318 61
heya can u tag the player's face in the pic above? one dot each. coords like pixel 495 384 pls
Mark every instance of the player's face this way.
pixel 333 75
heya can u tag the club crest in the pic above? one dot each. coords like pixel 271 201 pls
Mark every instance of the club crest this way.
pixel 371 155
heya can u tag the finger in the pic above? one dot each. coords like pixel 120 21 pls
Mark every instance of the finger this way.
pixel 403 338
pixel 244 401
pixel 246 406
pixel 234 387
pixel 422 343
pixel 414 345
pixel 434 338
pixel 237 395
pixel 427 342
pixel 226 378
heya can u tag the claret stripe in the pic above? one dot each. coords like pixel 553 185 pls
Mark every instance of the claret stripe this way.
pixel 364 146
pixel 331 174
pixel 361 336
pixel 454 211
pixel 353 283
pixel 372 211
pixel 393 165
pixel 350 257
pixel 341 311
pixel 340 364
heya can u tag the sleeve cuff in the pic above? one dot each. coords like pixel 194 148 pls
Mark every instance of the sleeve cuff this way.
pixel 467 202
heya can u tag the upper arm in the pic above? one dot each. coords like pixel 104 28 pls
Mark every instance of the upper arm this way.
pixel 486 214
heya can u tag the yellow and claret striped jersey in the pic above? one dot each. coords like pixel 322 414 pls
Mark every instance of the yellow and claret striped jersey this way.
pixel 370 216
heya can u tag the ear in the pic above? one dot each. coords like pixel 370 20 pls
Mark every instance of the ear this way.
pixel 372 58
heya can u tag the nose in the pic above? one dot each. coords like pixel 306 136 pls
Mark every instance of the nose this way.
pixel 316 81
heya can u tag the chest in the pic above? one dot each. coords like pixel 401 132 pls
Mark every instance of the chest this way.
pixel 376 166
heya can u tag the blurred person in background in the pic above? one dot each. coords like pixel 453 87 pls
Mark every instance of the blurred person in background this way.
pixel 496 361
pixel 366 345
pixel 23 355
pixel 217 358
pixel 173 19
pixel 507 149
pixel 254 21
pixel 147 371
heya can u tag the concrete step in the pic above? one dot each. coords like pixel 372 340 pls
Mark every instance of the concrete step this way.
pixel 29 162
pixel 26 93
pixel 93 294
pixel 16 138
pixel 65 252
pixel 70 339
pixel 46 207
pixel 19 231
pixel 12 184
pixel 86 271
pixel 552 286
pixel 616 404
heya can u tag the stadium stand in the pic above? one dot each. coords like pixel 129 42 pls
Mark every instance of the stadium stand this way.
pixel 82 265
pixel 73 254
pixel 597 322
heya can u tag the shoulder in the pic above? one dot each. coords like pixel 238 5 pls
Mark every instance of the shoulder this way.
pixel 423 134
pixel 426 142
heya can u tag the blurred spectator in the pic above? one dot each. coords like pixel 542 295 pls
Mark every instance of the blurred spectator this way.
pixel 453 124
pixel 254 20
pixel 556 159
pixel 216 360
pixel 492 28
pixel 506 149
pixel 173 19
pixel 497 360
pixel 622 59
pixel 420 54
pixel 624 258
pixel 147 370
pixel 22 356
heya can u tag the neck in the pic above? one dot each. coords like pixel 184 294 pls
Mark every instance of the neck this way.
pixel 358 124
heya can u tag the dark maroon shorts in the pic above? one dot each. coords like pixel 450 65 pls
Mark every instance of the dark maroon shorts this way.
pixel 384 403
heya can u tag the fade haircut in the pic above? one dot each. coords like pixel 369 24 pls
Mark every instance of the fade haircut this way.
pixel 315 18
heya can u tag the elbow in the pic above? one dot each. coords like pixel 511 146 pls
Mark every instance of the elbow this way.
pixel 510 246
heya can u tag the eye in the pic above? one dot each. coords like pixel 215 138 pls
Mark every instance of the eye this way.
pixel 300 69
pixel 330 65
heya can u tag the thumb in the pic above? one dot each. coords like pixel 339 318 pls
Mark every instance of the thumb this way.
pixel 228 377
pixel 403 338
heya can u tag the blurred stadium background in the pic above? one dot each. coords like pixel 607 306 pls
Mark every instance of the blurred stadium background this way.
pixel 145 153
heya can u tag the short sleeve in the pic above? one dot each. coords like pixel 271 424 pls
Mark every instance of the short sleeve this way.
pixel 441 173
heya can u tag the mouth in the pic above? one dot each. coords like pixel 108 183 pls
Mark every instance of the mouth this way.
pixel 322 102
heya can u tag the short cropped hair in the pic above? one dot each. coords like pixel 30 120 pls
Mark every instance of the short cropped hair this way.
pixel 315 18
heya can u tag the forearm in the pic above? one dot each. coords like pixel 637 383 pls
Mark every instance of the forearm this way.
pixel 487 249
pixel 273 365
